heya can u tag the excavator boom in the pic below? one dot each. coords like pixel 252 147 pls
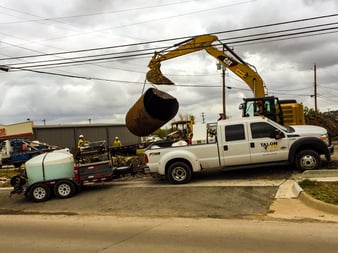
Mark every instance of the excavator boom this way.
pixel 204 42
pixel 271 107
pixel 155 75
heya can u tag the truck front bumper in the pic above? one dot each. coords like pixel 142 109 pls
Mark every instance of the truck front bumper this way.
pixel 331 149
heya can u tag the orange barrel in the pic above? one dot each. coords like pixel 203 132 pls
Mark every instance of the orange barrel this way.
pixel 151 111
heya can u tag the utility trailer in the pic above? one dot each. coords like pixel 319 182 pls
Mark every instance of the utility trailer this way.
pixel 56 173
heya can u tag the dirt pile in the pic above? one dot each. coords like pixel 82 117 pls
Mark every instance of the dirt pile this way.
pixel 323 120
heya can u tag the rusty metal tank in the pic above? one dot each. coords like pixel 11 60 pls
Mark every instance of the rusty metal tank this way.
pixel 151 111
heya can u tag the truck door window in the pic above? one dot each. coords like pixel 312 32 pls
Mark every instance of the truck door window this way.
pixel 234 132
pixel 262 130
pixel 211 132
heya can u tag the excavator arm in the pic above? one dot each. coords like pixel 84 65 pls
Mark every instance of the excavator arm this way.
pixel 204 42
pixel 281 112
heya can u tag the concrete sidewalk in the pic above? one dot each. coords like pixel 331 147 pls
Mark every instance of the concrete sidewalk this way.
pixel 291 202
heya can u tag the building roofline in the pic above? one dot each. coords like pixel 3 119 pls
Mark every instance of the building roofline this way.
pixel 79 125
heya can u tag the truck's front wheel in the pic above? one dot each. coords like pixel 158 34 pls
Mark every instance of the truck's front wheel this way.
pixel 179 173
pixel 308 160
pixel 64 189
pixel 39 192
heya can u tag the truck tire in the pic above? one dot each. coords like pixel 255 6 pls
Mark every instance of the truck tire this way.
pixel 64 189
pixel 179 173
pixel 308 160
pixel 39 192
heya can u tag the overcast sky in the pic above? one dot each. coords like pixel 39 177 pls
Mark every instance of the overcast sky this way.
pixel 105 90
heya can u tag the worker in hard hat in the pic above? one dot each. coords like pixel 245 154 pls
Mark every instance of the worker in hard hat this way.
pixel 81 141
pixel 117 142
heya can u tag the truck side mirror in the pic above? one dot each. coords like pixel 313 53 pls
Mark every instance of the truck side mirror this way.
pixel 278 134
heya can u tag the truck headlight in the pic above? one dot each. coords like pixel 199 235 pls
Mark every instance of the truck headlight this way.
pixel 325 138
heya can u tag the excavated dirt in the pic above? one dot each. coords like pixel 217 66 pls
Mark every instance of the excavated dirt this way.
pixel 324 121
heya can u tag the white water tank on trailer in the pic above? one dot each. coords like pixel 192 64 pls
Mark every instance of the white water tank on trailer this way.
pixel 50 166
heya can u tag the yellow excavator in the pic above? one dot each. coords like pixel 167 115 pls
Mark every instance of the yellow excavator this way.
pixel 285 112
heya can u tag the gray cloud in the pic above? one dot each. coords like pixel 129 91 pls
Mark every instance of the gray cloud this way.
pixel 36 27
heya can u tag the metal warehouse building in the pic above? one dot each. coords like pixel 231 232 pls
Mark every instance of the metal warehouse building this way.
pixel 67 135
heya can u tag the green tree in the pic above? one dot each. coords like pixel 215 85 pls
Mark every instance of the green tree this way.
pixel 162 133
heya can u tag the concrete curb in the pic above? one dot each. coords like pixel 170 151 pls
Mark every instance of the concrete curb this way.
pixel 320 176
pixel 317 204
pixel 289 189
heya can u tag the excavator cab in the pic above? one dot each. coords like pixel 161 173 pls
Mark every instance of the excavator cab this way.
pixel 265 106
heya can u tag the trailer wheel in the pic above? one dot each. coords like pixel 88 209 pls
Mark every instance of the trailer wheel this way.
pixel 64 189
pixel 179 173
pixel 39 192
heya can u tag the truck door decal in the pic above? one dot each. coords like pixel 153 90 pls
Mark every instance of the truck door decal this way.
pixel 270 146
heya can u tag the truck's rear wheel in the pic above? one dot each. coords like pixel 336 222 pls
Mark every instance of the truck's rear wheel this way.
pixel 64 189
pixel 179 173
pixel 39 192
pixel 308 160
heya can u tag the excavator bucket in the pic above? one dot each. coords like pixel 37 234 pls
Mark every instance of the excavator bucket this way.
pixel 155 76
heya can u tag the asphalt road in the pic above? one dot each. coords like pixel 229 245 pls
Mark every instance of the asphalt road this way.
pixel 35 233
pixel 214 194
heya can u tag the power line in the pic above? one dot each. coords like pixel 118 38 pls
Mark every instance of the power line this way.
pixel 88 14
pixel 147 21
pixel 134 53
pixel 283 31
pixel 144 52
pixel 178 38
pixel 79 77
pixel 284 35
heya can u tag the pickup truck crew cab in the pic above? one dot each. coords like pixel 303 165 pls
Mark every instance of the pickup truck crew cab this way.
pixel 244 143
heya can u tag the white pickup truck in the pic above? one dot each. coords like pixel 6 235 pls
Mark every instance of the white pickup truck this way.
pixel 244 143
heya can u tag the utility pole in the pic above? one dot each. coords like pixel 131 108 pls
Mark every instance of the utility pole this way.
pixel 315 87
pixel 203 117
pixel 220 66
pixel 223 91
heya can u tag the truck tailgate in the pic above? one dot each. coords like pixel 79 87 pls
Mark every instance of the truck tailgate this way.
pixel 95 172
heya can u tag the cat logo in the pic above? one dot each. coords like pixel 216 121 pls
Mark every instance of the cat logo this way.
pixel 227 60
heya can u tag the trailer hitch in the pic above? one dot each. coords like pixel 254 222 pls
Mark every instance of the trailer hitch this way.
pixel 17 182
